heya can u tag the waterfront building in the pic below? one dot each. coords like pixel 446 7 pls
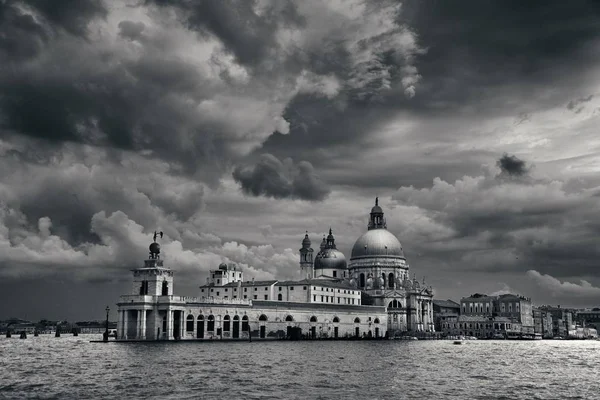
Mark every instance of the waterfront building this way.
pixel 484 316
pixel 589 318
pixel 370 297
pixel 481 327
pixel 542 321
pixel 445 312
pixel 562 320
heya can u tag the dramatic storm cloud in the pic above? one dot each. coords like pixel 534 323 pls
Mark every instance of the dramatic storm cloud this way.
pixel 236 126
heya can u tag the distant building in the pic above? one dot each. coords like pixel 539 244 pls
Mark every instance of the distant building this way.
pixel 589 318
pixel 445 312
pixel 483 316
pixel 542 321
pixel 562 320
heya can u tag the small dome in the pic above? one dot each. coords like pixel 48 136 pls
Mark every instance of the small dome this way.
pixel 330 259
pixel 376 210
pixel 377 243
pixel 306 242
pixel 154 248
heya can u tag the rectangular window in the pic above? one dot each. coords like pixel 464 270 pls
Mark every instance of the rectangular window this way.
pixel 235 289
pixel 218 281
pixel 338 300
pixel 255 289
pixel 217 293
pixel 291 288
pixel 266 288
pixel 245 289
pixel 321 298
pixel 280 288
pixel 212 290
pixel 266 297
pixel 303 287
pixel 202 290
pixel 245 297
pixel 255 297
pixel 335 274
pixel 314 297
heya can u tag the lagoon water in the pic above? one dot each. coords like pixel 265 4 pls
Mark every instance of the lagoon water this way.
pixel 73 368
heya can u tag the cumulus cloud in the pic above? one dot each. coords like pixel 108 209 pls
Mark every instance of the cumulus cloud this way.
pixel 558 288
pixel 123 244
pixel 281 179
pixel 505 225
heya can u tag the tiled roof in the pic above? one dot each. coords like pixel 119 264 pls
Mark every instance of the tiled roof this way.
pixel 446 303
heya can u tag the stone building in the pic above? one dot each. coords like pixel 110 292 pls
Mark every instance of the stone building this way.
pixel 483 316
pixel 370 297
pixel 445 311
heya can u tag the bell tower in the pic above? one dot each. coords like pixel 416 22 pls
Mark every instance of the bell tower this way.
pixel 306 258
pixel 153 279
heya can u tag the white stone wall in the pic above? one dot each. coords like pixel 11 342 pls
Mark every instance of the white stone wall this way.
pixel 327 295
pixel 155 281
pixel 324 320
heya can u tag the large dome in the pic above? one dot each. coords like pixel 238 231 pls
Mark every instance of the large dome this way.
pixel 377 243
pixel 330 258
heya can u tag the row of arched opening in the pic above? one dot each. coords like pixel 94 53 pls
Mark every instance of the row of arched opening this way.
pixel 234 326
pixel 389 280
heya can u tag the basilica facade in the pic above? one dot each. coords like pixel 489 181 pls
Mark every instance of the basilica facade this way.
pixel 371 296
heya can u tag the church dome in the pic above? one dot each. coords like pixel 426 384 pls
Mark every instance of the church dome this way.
pixel 330 259
pixel 377 243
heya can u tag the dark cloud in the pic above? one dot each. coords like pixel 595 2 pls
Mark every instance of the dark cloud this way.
pixel 131 30
pixel 512 166
pixel 246 34
pixel 577 105
pixel 281 179
pixel 502 226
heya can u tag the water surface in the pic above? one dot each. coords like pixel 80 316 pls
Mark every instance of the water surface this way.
pixel 72 367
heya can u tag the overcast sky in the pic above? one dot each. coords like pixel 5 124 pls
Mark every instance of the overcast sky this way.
pixel 234 127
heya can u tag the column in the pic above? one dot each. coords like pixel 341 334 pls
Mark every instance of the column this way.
pixel 181 324
pixel 169 333
pixel 120 325
pixel 125 323
pixel 143 325
pixel 138 325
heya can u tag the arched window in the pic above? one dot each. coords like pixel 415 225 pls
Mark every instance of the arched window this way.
pixel 336 319
pixel 262 317
pixel 391 280
pixel 289 318
pixel 211 323
pixel 165 288
pixel 362 280
pixel 245 326
pixel 279 297
pixel 313 319
pixel 357 320
pixel 236 318
pixel 394 304
pixel 226 323
pixel 376 320
pixel 189 323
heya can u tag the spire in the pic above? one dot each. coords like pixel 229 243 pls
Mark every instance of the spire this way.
pixel 376 201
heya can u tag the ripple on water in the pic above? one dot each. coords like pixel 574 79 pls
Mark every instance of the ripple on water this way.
pixel 67 367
